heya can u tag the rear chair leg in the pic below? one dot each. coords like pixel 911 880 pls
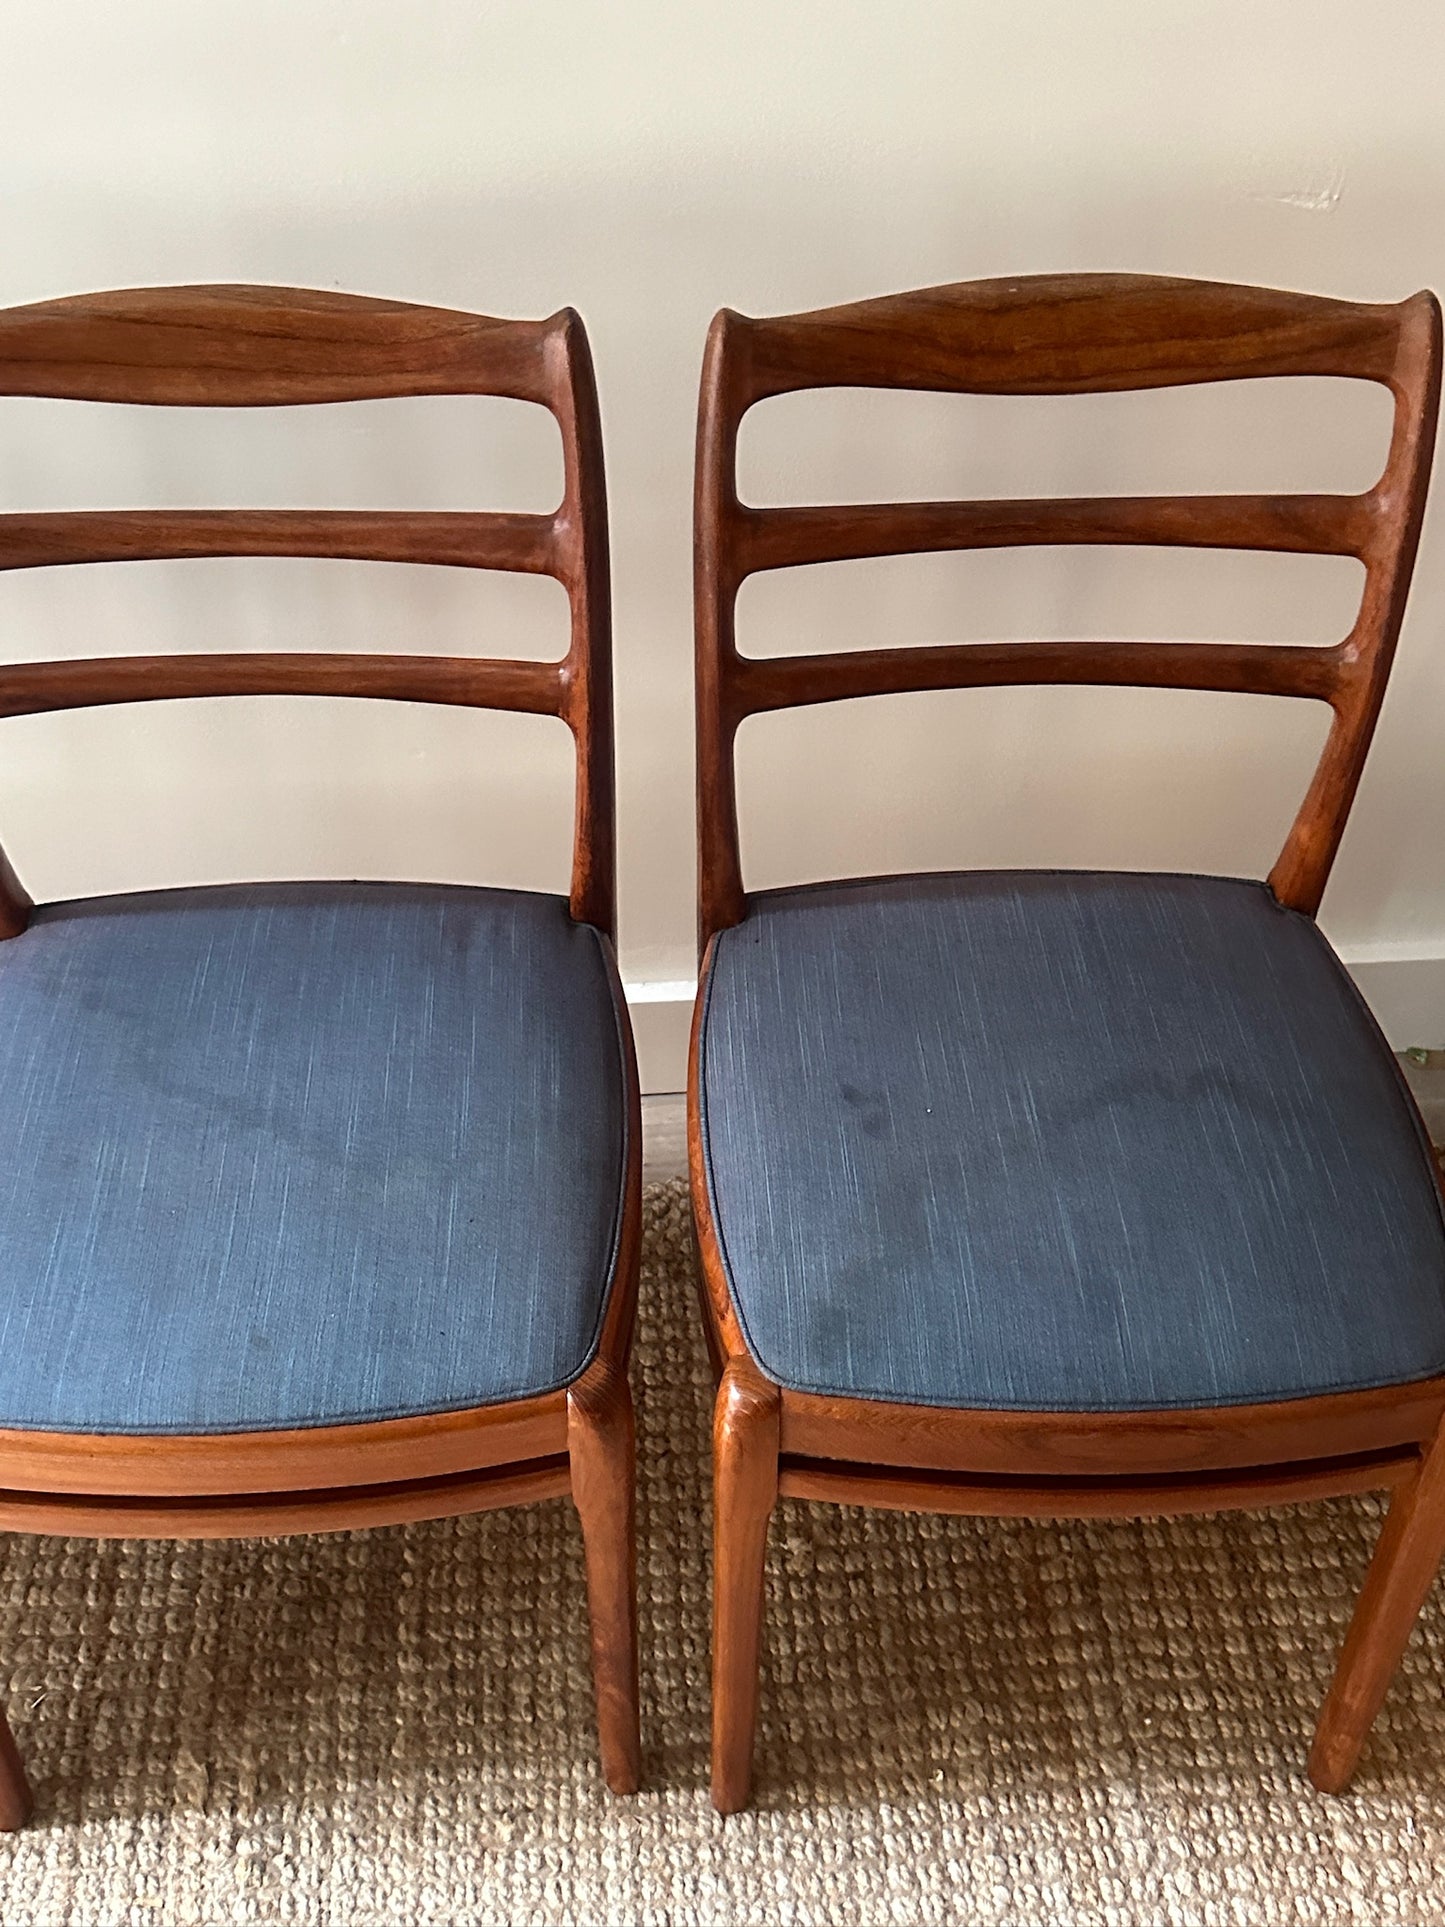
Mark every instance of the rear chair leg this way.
pixel 602 1448
pixel 745 1490
pixel 17 1803
pixel 1401 1572
pixel 715 1357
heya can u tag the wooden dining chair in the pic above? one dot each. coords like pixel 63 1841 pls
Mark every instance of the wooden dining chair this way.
pixel 319 1202
pixel 1060 1193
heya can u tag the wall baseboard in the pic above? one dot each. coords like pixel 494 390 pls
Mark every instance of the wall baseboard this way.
pixel 1406 993
pixel 661 1012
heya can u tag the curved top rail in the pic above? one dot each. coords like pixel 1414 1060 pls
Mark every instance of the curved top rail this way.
pixel 248 347
pixel 1066 334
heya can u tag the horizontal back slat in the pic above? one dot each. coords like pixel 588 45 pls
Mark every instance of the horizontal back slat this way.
pixel 786 682
pixel 256 347
pixel 525 543
pixel 536 688
pixel 781 538
pixel 1065 334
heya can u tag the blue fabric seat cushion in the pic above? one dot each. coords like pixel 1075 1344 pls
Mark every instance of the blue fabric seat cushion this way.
pixel 302 1154
pixel 1062 1142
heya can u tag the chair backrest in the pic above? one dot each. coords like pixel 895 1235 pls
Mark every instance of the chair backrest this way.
pixel 1061 335
pixel 246 347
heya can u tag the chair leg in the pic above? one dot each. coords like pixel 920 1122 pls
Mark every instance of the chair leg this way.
pixel 17 1803
pixel 1401 1573
pixel 601 1443
pixel 745 1490
pixel 715 1357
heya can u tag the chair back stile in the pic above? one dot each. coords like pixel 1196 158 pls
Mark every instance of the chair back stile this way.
pixel 270 347
pixel 1057 335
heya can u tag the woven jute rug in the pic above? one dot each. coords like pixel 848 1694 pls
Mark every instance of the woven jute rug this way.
pixel 962 1721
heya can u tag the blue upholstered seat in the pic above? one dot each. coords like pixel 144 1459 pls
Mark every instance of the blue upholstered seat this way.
pixel 302 1154
pixel 1044 1141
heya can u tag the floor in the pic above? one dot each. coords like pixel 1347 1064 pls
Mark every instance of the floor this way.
pixel 664 1137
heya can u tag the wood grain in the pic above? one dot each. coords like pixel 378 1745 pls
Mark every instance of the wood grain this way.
pixel 745 1490
pixel 1264 669
pixel 303 1458
pixel 526 544
pixel 1152 1444
pixel 31 688
pixel 587 672
pixel 790 538
pixel 1134 1496
pixel 252 1515
pixel 601 1445
pixel 1065 334
pixel 1402 1571
pixel 250 347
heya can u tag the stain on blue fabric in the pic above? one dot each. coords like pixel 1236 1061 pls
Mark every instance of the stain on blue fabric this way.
pixel 302 1154
pixel 1062 1142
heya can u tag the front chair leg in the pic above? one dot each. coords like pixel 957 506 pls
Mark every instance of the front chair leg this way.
pixel 17 1803
pixel 1401 1572
pixel 601 1444
pixel 745 1490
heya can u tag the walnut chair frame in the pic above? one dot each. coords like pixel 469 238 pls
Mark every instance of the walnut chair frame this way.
pixel 1055 336
pixel 253 347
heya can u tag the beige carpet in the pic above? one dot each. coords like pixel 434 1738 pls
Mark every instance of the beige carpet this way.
pixel 962 1722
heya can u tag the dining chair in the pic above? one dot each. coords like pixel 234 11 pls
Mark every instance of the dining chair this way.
pixel 1060 1193
pixel 319 1202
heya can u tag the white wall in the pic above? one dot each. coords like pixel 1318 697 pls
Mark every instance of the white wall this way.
pixel 649 162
